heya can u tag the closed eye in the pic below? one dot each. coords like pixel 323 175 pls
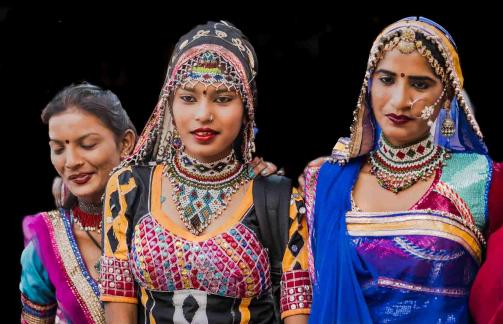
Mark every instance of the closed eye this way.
pixel 88 147
pixel 56 147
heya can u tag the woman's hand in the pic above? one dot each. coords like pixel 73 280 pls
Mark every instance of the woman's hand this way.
pixel 316 163
pixel 264 168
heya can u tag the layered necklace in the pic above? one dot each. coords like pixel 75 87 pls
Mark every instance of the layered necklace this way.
pixel 202 191
pixel 399 167
pixel 87 216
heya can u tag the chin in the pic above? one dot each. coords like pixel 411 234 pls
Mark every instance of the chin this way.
pixel 206 152
pixel 89 191
pixel 402 136
pixel 206 156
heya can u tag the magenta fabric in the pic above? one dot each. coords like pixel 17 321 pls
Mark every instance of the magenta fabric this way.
pixel 40 229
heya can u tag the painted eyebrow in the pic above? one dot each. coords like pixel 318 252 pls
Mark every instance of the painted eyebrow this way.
pixel 421 78
pixel 385 72
pixel 413 77
pixel 78 139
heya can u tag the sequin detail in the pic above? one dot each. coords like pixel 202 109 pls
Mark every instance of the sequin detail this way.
pixel 201 191
pixel 115 277
pixel 232 264
pixel 295 290
pixel 398 168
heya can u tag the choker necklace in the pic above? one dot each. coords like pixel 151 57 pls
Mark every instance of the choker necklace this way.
pixel 202 191
pixel 90 207
pixel 87 216
pixel 399 167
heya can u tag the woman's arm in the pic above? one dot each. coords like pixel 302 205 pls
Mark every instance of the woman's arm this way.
pixel 118 288
pixel 121 313
pixel 296 288
pixel 37 292
pixel 297 319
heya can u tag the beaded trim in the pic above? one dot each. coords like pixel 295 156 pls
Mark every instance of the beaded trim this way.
pixel 116 278
pixel 35 313
pixel 231 264
pixel 403 285
pixel 398 168
pixel 82 285
pixel 86 221
pixel 209 69
pixel 202 191
pixel 296 290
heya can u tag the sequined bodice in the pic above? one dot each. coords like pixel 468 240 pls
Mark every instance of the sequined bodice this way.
pixel 232 264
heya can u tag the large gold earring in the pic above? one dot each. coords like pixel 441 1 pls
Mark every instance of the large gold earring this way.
pixel 176 140
pixel 447 128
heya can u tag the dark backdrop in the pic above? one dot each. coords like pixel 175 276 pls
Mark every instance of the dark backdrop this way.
pixel 311 64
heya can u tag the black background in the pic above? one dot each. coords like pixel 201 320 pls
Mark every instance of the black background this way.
pixel 312 60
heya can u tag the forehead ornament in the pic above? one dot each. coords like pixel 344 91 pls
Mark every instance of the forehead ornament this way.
pixel 407 45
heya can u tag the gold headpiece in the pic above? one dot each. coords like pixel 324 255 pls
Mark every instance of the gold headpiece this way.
pixel 407 44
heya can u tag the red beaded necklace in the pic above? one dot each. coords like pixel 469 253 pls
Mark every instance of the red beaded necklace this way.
pixel 87 221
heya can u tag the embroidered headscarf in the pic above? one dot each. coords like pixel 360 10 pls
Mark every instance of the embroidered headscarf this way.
pixel 216 53
pixel 413 33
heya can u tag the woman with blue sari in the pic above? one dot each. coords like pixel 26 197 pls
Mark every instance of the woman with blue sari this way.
pixel 398 215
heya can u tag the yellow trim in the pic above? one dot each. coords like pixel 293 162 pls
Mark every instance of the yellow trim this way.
pixel 81 286
pixel 289 260
pixel 120 223
pixel 291 312
pixel 144 299
pixel 244 310
pixel 118 299
pixel 111 188
pixel 420 225
pixel 302 257
pixel 160 216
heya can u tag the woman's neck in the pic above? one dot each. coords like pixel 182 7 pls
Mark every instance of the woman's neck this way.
pixel 396 143
pixel 209 159
pixel 90 207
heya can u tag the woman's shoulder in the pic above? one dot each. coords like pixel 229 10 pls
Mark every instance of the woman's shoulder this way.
pixel 33 225
pixel 139 173
pixel 272 190
pixel 465 164
pixel 469 157
pixel 274 181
